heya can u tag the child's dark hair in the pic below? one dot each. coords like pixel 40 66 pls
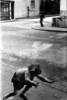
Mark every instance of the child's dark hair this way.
pixel 36 67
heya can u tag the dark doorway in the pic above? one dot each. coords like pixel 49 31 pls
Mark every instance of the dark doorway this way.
pixel 52 6
pixel 12 10
pixel 5 12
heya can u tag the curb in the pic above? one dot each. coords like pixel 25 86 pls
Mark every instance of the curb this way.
pixel 18 19
pixel 46 28
pixel 7 21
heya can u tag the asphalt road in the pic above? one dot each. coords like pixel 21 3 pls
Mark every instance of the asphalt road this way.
pixel 21 46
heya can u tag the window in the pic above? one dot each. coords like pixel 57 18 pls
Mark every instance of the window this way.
pixel 32 3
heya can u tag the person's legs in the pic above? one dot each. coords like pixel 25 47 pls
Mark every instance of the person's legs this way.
pixel 11 94
pixel 24 91
pixel 41 20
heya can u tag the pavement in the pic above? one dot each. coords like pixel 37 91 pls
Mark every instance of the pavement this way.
pixel 36 26
pixel 14 41
pixel 50 28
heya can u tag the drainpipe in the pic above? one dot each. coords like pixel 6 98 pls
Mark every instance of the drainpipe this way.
pixel 28 10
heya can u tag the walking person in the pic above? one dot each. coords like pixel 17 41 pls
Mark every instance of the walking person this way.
pixel 24 77
pixel 42 11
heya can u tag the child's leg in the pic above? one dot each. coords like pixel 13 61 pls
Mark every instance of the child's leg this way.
pixel 24 91
pixel 11 94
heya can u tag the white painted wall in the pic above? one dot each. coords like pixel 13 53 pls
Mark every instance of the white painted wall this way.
pixel 63 7
pixel 35 11
pixel 21 8
pixel 63 4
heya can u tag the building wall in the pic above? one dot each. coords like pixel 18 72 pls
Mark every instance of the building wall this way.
pixel 61 21
pixel 34 11
pixel 63 4
pixel 63 7
pixel 20 9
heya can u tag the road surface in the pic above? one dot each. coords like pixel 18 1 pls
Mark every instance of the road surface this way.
pixel 22 46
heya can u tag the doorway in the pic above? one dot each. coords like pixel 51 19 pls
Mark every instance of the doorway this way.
pixel 12 10
pixel 52 7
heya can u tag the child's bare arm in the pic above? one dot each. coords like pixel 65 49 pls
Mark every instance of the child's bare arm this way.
pixel 33 83
pixel 44 79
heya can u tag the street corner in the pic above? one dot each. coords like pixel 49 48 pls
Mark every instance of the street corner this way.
pixel 38 26
pixel 49 27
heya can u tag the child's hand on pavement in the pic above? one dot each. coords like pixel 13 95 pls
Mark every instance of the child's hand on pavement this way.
pixel 52 81
pixel 37 84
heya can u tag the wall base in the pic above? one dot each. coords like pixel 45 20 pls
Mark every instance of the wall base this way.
pixel 60 21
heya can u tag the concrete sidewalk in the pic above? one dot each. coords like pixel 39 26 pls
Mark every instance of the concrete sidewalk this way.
pixel 36 25
pixel 50 28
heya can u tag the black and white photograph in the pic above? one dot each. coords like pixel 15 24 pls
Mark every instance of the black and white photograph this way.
pixel 33 49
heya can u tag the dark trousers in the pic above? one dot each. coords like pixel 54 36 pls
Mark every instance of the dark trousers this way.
pixel 41 20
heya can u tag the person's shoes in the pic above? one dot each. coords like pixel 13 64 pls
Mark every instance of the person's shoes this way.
pixel 42 25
